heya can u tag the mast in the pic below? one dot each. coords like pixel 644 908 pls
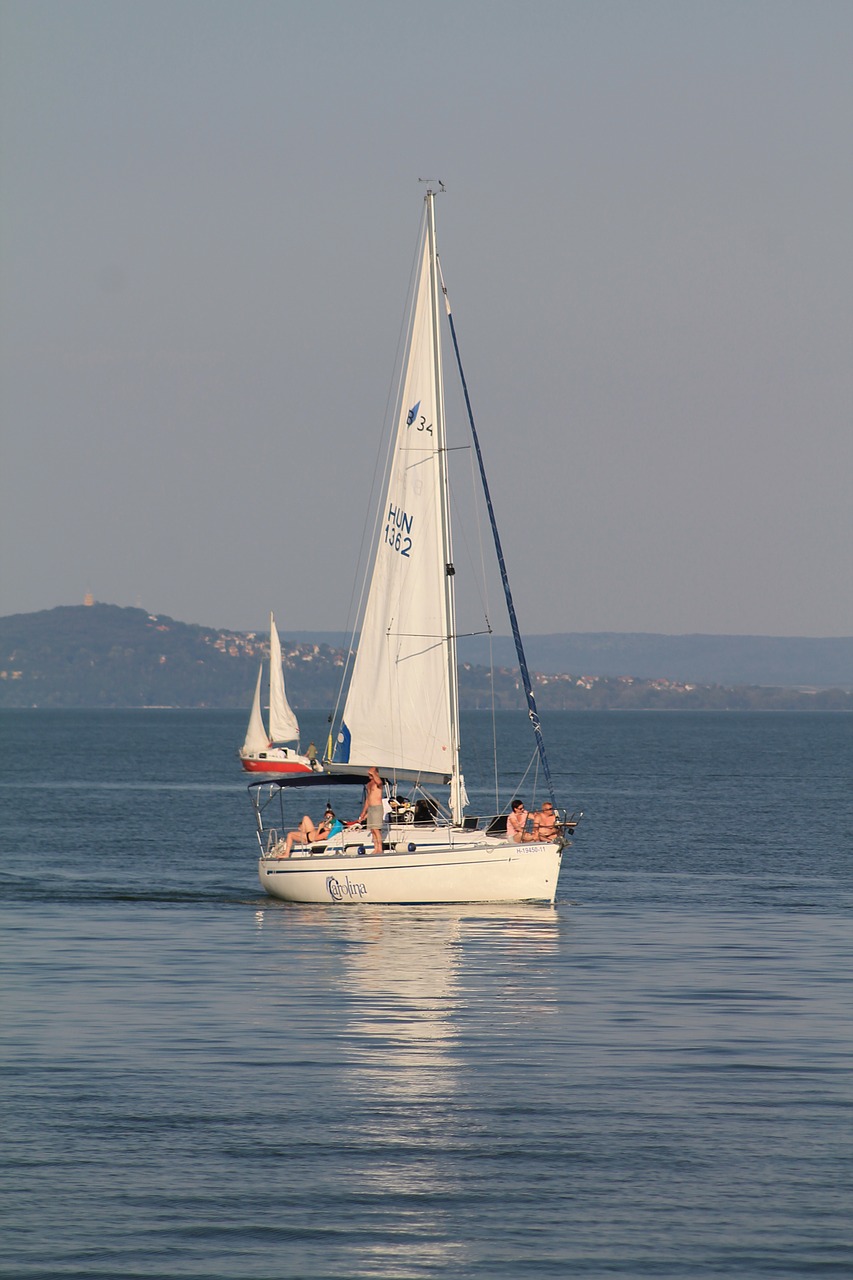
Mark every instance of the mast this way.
pixel 456 789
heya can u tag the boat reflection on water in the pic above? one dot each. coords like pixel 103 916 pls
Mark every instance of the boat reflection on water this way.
pixel 412 980
pixel 421 1000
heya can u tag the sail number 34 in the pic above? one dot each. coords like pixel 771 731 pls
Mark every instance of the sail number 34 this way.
pixel 414 417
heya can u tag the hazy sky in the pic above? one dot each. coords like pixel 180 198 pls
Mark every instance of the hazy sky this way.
pixel 209 214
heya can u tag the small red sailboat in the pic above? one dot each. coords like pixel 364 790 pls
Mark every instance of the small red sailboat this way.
pixel 262 752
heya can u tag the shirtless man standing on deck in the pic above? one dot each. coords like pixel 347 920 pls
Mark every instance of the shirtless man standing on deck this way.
pixel 372 813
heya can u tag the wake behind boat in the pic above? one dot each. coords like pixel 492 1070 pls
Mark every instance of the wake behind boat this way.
pixel 259 752
pixel 402 709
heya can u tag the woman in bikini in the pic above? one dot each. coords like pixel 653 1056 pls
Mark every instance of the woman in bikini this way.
pixel 516 823
pixel 307 833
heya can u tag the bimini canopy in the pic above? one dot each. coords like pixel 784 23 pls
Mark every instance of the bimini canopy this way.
pixel 302 780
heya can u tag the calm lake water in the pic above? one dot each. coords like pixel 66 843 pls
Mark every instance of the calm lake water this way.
pixel 652 1079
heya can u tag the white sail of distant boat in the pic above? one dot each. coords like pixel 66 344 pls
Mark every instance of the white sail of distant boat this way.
pixel 262 751
pixel 257 738
pixel 402 708
pixel 283 725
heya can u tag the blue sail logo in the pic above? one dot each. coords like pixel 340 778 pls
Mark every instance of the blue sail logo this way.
pixel 342 746
pixel 413 413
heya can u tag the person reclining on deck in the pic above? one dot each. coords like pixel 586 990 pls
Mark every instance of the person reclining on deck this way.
pixel 307 833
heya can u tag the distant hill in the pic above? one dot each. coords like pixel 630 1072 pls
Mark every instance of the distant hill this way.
pixel 106 656
pixel 785 661
pixel 791 662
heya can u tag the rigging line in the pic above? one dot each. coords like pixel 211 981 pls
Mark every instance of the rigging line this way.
pixel 523 779
pixel 353 617
pixel 438 641
pixel 494 721
pixel 416 653
pixel 389 436
pixel 432 635
pixel 481 582
pixel 484 579
pixel 478 581
pixel 532 713
pixel 536 786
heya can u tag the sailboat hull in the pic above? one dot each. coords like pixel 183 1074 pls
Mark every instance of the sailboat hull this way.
pixel 275 760
pixel 494 871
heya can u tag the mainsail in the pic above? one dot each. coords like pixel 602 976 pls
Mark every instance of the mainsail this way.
pixel 283 723
pixel 402 708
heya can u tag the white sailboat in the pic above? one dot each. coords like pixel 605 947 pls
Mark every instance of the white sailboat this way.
pixel 264 752
pixel 402 708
